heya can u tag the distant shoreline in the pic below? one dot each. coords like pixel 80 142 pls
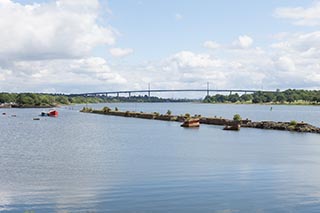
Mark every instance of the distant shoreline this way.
pixel 8 106
pixel 290 97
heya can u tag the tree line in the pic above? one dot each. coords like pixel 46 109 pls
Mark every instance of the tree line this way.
pixel 50 100
pixel 290 96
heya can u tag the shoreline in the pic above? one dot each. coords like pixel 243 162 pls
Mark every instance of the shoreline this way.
pixel 6 106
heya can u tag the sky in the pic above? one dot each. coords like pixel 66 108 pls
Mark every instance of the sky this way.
pixel 67 46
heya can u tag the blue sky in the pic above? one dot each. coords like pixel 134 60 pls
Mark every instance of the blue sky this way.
pixel 81 46
pixel 151 26
pixel 154 31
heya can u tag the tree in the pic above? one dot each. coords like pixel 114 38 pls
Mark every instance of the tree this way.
pixel 234 98
pixel 280 98
pixel 25 99
pixel 246 97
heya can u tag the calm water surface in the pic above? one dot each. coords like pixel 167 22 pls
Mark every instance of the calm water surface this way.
pixel 93 163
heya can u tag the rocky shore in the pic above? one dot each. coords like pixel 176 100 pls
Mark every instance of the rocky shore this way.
pixel 286 126
pixel 271 125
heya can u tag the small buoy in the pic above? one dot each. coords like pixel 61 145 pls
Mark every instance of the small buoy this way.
pixel 36 119
pixel 4 113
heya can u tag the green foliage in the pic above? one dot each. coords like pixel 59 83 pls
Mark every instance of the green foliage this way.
pixel 106 109
pixel 287 96
pixel 233 98
pixel 116 109
pixel 187 115
pixel 293 123
pixel 86 109
pixel 7 98
pixel 246 97
pixel 237 117
pixel 169 112
pixel 49 100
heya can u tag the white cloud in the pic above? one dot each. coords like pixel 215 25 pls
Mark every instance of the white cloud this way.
pixel 285 63
pixel 60 29
pixel 300 44
pixel 74 74
pixel 192 60
pixel 302 16
pixel 120 52
pixel 211 44
pixel 292 62
pixel 49 45
pixel 243 42
pixel 4 73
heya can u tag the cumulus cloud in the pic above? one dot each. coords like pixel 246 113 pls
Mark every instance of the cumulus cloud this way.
pixel 309 16
pixel 60 29
pixel 120 52
pixel 304 45
pixel 285 63
pixel 292 62
pixel 4 73
pixel 192 70
pixel 243 42
pixel 59 73
pixel 49 45
pixel 211 44
pixel 192 60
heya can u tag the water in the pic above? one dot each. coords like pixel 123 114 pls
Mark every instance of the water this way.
pixel 93 163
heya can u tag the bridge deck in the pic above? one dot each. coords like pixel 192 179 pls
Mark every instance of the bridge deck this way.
pixel 170 90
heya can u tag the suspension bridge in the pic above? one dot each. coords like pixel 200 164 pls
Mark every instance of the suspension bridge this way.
pixel 149 91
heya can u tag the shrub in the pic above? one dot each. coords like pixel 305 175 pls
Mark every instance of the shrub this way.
pixel 293 123
pixel 116 109
pixel 169 112
pixel 187 115
pixel 237 117
pixel 86 109
pixel 106 109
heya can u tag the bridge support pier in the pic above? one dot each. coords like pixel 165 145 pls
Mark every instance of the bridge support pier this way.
pixel 117 95
pixel 129 93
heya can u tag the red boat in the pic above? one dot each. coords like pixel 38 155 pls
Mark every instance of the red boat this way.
pixel 53 113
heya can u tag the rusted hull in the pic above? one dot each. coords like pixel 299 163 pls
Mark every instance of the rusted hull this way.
pixel 191 123
pixel 233 127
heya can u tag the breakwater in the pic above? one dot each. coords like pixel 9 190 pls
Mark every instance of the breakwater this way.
pixel 292 126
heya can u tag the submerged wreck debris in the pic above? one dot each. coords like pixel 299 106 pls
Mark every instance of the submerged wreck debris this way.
pixel 191 122
pixel 228 123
